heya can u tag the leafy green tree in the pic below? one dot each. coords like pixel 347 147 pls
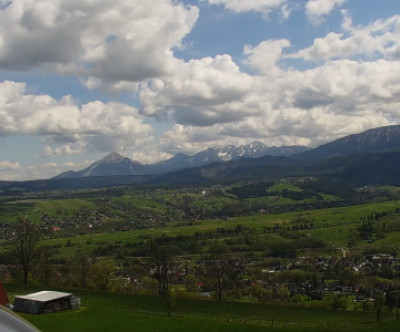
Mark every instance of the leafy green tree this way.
pixel 335 302
pixel 149 286
pixel 328 299
pixel 366 230
pixel 367 306
pixel 191 283
pixel 170 299
pixel 379 304
pixel 298 298
pixel 339 303
pixel 137 272
pixel 283 294
pixel 259 292
pixel 283 249
pixel 101 274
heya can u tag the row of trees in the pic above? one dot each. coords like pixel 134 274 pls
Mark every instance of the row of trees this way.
pixel 222 270
pixel 40 263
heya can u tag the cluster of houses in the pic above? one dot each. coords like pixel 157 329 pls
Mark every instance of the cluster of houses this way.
pixel 344 276
pixel 352 270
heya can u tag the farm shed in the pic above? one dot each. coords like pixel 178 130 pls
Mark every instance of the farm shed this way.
pixel 46 301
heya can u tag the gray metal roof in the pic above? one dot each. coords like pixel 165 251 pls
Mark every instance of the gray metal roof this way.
pixel 43 296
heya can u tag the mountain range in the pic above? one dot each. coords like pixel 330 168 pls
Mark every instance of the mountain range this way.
pixel 382 139
pixel 378 140
pixel 115 164
pixel 371 157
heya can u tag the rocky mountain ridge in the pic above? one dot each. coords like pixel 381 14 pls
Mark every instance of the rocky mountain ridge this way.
pixel 115 164
pixel 381 139
pixel 377 140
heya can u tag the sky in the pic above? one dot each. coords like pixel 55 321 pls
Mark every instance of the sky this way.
pixel 152 78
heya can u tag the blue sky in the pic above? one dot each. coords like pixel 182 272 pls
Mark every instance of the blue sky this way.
pixel 151 78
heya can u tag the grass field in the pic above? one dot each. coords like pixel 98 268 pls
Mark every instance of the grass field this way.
pixel 33 208
pixel 330 224
pixel 122 312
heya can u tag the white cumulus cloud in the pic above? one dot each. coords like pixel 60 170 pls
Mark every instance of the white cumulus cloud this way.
pixel 67 127
pixel 8 165
pixel 202 92
pixel 316 10
pixel 350 83
pixel 116 41
pixel 264 6
pixel 380 38
pixel 265 56
pixel 214 103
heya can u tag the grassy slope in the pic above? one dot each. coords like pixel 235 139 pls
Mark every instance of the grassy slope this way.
pixel 11 211
pixel 121 312
pixel 112 312
pixel 332 220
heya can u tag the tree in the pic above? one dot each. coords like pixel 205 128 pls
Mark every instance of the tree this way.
pixel 283 249
pixel 339 302
pixel 148 286
pixel 164 254
pixel 366 230
pixel 223 269
pixel 82 268
pixel 218 252
pixel 171 300
pixel 283 294
pixel 101 274
pixel 191 283
pixel 379 304
pixel 44 269
pixel 24 243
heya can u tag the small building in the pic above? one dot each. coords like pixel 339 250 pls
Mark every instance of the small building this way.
pixel 45 302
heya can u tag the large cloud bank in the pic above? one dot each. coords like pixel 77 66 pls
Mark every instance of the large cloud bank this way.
pixel 348 81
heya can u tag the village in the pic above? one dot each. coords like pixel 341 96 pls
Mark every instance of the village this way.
pixel 293 280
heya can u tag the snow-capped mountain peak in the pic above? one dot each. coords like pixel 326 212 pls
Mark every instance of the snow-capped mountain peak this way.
pixel 115 164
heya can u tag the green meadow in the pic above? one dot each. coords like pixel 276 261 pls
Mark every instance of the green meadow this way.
pixel 124 312
pixel 332 225
pixel 112 311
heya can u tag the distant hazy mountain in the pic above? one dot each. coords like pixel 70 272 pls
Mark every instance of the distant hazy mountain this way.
pixel 372 157
pixel 112 164
pixel 228 153
pixel 115 164
pixel 382 139
pixel 378 140
pixel 253 150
